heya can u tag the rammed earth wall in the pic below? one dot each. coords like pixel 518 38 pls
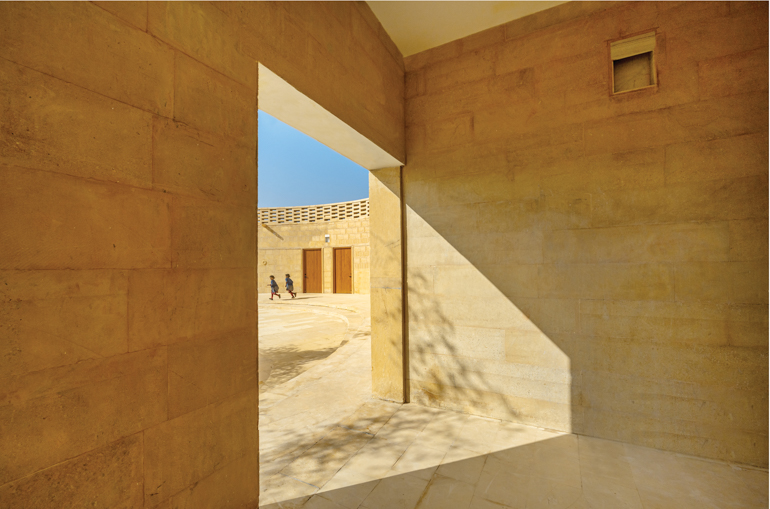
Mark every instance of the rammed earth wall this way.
pixel 128 194
pixel 588 262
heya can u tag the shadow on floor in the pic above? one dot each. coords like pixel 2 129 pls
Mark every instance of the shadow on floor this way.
pixel 288 362
pixel 419 458
pixel 549 474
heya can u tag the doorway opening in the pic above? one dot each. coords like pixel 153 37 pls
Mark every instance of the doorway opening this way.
pixel 313 215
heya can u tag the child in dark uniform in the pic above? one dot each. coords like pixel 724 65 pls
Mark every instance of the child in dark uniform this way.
pixel 290 287
pixel 273 288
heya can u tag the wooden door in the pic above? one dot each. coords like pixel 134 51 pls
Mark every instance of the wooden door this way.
pixel 343 273
pixel 311 268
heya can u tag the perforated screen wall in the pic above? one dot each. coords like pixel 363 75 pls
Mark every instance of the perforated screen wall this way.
pixel 315 213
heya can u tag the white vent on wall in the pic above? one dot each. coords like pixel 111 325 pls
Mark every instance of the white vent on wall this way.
pixel 315 213
pixel 633 63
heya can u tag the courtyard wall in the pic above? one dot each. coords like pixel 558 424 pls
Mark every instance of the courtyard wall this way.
pixel 584 261
pixel 281 245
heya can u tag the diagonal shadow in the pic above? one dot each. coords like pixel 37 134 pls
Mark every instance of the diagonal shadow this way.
pixel 501 326
pixel 415 457
pixel 437 358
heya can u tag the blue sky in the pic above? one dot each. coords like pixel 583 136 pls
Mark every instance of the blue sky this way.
pixel 294 169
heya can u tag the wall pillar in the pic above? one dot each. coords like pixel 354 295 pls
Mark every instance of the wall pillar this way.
pixel 328 270
pixel 386 272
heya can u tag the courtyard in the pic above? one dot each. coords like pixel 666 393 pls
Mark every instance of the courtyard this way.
pixel 325 443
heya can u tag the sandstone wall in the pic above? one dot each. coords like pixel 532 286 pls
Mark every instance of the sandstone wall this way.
pixel 589 262
pixel 389 355
pixel 281 245
pixel 128 137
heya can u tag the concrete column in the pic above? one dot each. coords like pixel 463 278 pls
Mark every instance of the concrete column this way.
pixel 386 272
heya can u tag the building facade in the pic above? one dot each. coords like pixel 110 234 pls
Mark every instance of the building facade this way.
pixel 325 248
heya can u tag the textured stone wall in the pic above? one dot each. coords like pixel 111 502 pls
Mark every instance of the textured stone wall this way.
pixel 128 137
pixel 281 245
pixel 589 262
pixel 388 359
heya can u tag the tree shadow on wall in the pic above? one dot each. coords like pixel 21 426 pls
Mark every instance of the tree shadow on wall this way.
pixel 482 339
pixel 433 356
pixel 570 357
pixel 436 359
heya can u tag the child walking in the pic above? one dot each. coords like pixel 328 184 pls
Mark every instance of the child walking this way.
pixel 290 286
pixel 273 288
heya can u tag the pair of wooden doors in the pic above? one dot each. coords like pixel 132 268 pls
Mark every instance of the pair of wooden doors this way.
pixel 312 276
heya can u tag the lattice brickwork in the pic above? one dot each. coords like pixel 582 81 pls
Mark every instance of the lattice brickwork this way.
pixel 315 213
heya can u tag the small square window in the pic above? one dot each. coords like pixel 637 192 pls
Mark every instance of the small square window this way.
pixel 633 63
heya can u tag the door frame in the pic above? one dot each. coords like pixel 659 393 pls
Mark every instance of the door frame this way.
pixel 334 268
pixel 304 269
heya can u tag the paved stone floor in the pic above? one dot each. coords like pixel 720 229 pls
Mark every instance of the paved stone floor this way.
pixel 326 444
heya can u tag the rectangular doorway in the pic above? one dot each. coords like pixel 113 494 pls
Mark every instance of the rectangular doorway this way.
pixel 311 271
pixel 343 270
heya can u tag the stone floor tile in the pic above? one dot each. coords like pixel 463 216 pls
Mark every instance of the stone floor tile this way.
pixel 374 459
pixel 563 472
pixel 497 484
pixel 606 460
pixel 270 467
pixel 652 499
pixel 267 400
pixel 413 416
pixel 318 502
pixel 345 478
pixel 403 433
pixel 754 480
pixel 407 423
pixel 615 471
pixel 599 492
pixel 441 432
pixel 519 460
pixel 371 416
pixel 444 492
pixel 282 489
pixel 425 473
pixel 549 494
pixel 462 464
pixel 581 503
pixel 512 434
pixel 660 481
pixel 480 503
pixel 557 459
pixel 719 483
pixel 348 492
pixel 287 449
pixel 666 480
pixel 478 434
pixel 419 457
pixel 318 464
pixel 398 492
pixel 600 448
